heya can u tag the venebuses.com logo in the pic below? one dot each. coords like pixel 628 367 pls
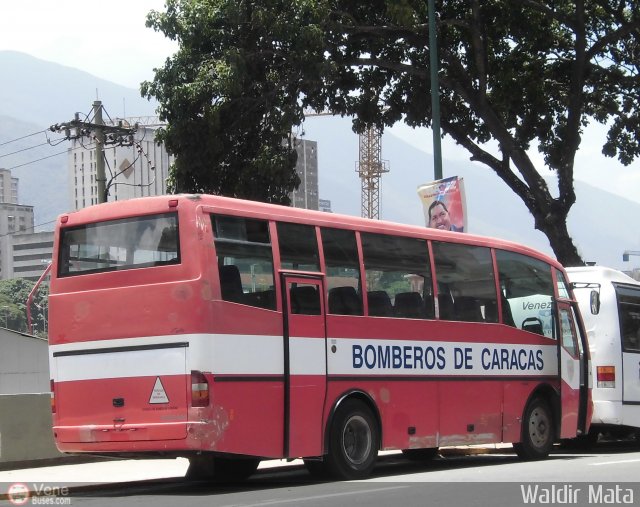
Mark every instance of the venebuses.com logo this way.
pixel 19 493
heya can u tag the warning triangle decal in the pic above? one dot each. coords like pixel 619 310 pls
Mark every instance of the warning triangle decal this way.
pixel 158 395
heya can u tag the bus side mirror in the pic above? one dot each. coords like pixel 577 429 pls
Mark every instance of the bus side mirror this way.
pixel 595 302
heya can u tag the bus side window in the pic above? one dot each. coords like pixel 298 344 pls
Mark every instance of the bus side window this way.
pixel 466 285
pixel 527 291
pixel 398 276
pixel 343 271
pixel 298 247
pixel 245 261
pixel 629 311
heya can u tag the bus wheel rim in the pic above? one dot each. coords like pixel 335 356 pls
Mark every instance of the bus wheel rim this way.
pixel 539 426
pixel 356 440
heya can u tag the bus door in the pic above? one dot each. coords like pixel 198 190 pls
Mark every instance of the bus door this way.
pixel 572 363
pixel 305 364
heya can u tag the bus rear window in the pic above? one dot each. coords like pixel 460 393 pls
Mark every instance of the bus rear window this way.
pixel 119 244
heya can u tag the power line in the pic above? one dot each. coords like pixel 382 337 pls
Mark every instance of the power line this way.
pixel 23 137
pixel 38 160
pixel 13 233
pixel 23 149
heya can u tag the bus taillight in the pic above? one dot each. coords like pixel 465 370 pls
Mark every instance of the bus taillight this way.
pixel 606 376
pixel 53 398
pixel 199 389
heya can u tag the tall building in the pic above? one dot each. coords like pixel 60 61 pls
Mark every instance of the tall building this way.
pixel 306 196
pixel 8 187
pixel 15 220
pixel 132 171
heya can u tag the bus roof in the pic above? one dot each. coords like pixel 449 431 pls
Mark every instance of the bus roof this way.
pixel 598 274
pixel 156 204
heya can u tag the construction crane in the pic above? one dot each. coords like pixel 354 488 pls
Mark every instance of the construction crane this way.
pixel 370 167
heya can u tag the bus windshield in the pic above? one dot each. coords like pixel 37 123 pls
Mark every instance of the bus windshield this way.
pixel 119 244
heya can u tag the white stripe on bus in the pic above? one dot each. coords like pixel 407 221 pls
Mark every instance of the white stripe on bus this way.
pixel 263 355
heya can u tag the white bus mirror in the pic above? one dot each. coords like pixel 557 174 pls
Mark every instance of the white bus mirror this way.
pixel 595 302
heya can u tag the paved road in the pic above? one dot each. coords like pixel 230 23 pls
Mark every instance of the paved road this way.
pixel 607 475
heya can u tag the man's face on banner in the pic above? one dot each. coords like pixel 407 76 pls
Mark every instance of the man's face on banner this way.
pixel 439 218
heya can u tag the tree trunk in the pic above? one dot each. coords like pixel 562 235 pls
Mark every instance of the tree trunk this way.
pixel 554 227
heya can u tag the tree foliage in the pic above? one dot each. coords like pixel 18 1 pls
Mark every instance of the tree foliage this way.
pixel 523 73
pixel 13 306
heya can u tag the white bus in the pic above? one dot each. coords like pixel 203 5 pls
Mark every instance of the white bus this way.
pixel 610 305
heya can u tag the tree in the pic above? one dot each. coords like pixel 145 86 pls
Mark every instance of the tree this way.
pixel 229 121
pixel 13 303
pixel 522 73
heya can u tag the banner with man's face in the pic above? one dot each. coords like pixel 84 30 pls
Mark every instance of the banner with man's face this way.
pixel 444 204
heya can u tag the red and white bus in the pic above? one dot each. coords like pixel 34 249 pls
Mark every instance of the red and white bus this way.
pixel 230 331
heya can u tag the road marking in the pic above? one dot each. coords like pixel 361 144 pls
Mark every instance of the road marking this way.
pixel 280 501
pixel 616 462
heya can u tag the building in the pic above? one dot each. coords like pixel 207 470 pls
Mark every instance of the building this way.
pixel 324 205
pixel 15 219
pixel 25 255
pixel 306 196
pixel 8 187
pixel 138 170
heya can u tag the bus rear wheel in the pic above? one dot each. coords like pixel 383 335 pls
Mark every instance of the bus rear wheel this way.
pixel 354 441
pixel 538 432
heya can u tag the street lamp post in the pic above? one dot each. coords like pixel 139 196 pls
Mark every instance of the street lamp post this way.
pixel 435 91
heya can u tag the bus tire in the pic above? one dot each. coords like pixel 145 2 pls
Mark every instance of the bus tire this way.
pixel 354 440
pixel 538 432
pixel 420 455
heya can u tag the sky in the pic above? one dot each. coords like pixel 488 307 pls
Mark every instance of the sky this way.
pixel 110 40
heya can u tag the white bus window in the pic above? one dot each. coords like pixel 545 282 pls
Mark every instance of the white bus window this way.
pixel 629 311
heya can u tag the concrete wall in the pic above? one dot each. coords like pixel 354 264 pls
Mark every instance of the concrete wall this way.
pixel 24 363
pixel 25 428
pixel 25 400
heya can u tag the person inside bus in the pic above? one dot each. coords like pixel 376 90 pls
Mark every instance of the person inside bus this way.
pixel 439 217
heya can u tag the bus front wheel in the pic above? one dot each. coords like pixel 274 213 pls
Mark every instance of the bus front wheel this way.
pixel 353 441
pixel 538 432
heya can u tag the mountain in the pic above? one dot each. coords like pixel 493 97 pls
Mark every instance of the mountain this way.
pixel 42 93
pixel 37 95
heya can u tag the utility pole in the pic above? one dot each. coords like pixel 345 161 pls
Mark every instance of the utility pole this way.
pixel 103 135
pixel 101 176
